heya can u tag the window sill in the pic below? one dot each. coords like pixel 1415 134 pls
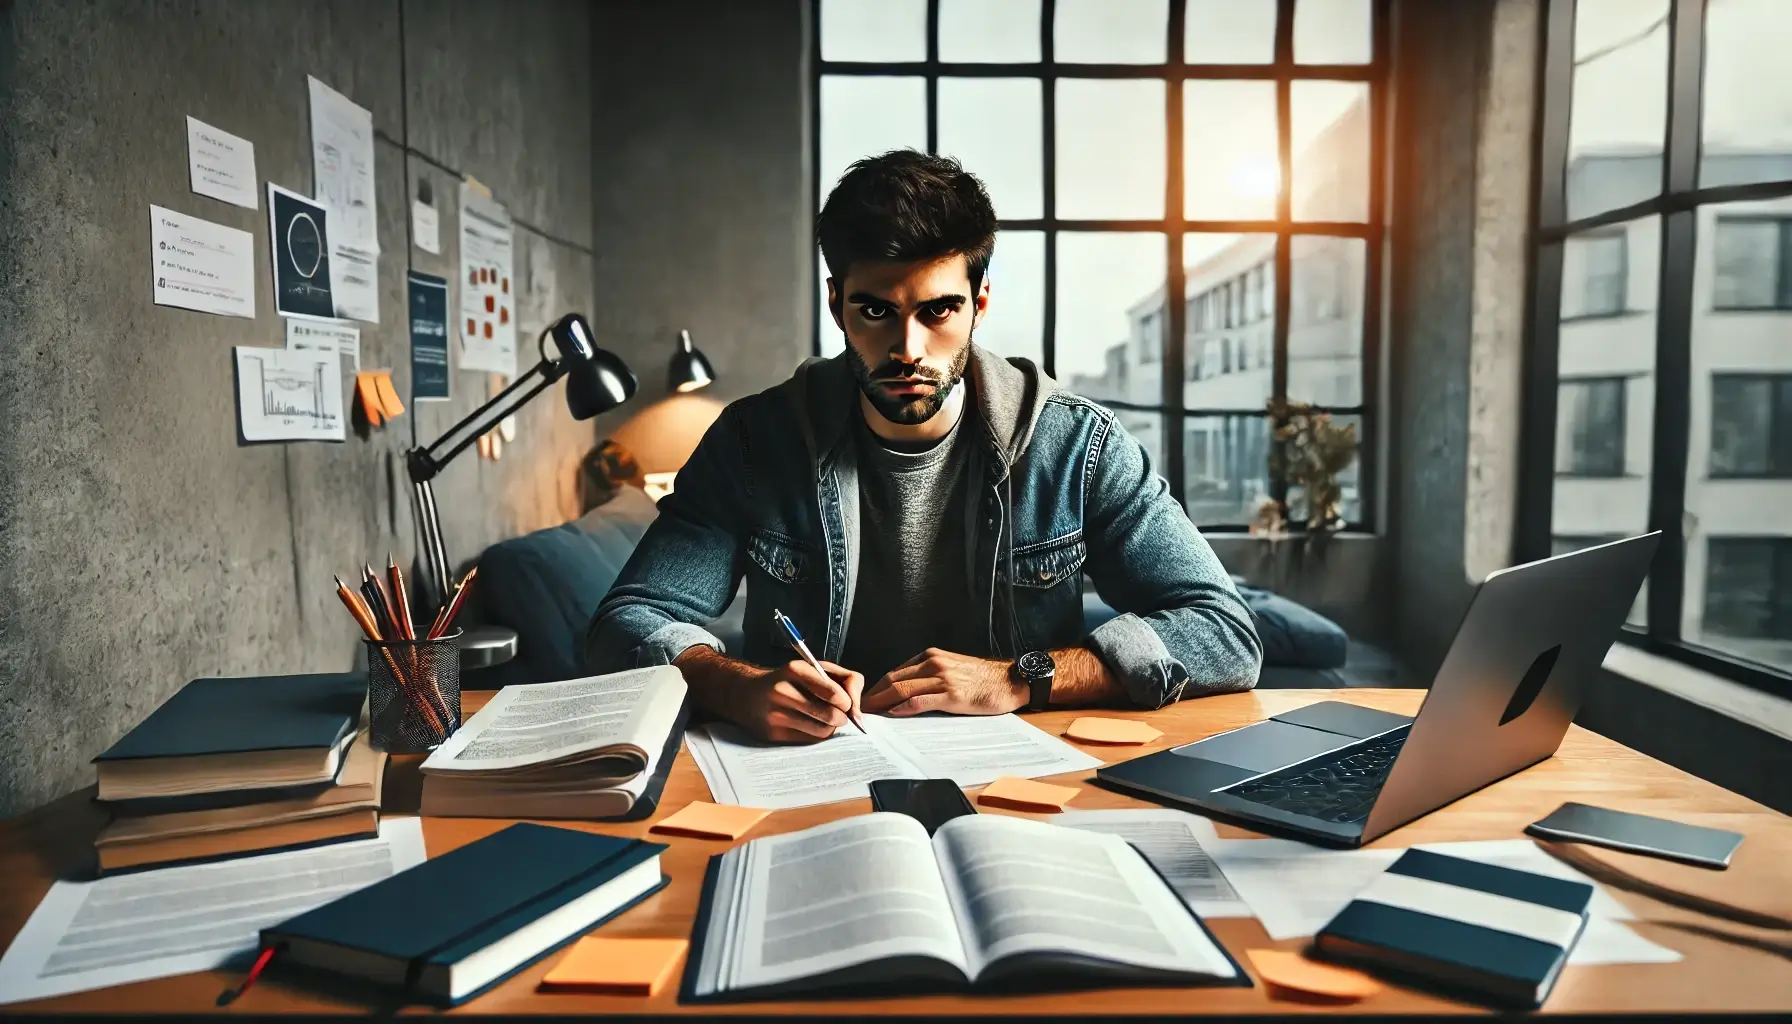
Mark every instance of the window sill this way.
pixel 1616 314
pixel 1745 704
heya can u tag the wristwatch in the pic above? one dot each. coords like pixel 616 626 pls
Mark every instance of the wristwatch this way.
pixel 1036 668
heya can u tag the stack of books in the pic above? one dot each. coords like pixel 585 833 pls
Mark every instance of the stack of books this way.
pixel 230 767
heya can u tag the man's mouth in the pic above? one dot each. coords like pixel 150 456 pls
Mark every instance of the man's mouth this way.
pixel 907 385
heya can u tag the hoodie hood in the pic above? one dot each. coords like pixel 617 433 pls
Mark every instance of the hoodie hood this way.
pixel 1008 396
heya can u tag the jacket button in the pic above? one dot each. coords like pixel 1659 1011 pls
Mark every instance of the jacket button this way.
pixel 790 568
pixel 1045 574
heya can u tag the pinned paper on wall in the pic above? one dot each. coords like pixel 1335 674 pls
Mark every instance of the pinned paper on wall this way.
pixel 299 236
pixel 221 165
pixel 378 396
pixel 287 395
pixel 390 406
pixel 429 337
pixel 316 335
pixel 342 166
pixel 202 266
pixel 487 320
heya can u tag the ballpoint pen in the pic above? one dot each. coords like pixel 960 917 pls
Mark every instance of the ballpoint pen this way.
pixel 802 648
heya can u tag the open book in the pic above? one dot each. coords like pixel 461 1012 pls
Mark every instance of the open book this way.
pixel 871 903
pixel 581 748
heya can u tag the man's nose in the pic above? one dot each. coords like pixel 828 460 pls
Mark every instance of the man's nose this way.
pixel 914 341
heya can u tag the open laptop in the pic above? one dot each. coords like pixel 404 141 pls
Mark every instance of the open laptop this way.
pixel 1502 700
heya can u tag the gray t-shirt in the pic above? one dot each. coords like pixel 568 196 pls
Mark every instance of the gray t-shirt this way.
pixel 912 591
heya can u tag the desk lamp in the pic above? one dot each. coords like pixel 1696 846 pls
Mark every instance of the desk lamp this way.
pixel 596 382
pixel 689 370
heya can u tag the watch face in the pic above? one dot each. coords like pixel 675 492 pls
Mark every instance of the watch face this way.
pixel 1035 663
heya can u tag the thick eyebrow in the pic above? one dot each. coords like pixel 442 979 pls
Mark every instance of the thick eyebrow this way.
pixel 866 299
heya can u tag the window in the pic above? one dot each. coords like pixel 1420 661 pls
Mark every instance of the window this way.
pixel 1590 432
pixel 1664 194
pixel 1751 425
pixel 1754 263
pixel 1152 149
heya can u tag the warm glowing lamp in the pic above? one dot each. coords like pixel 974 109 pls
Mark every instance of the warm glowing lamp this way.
pixel 689 370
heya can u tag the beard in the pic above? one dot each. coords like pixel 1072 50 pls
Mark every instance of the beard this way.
pixel 908 411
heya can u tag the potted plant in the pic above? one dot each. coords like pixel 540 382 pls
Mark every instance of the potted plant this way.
pixel 1307 451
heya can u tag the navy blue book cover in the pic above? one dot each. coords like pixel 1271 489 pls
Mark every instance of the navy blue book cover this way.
pixel 239 715
pixel 460 902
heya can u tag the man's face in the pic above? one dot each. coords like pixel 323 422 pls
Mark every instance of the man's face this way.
pixel 908 331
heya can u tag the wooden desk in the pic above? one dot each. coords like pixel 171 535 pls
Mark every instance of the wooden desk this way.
pixel 1726 967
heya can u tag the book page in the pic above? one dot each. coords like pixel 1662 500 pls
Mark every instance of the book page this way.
pixel 972 750
pixel 849 892
pixel 742 770
pixel 1022 886
pixel 1171 840
pixel 530 726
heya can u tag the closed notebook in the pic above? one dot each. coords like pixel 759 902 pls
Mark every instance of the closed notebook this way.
pixel 235 734
pixel 457 924
pixel 1480 929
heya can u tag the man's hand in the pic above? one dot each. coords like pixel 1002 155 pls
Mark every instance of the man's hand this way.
pixel 789 704
pixel 937 680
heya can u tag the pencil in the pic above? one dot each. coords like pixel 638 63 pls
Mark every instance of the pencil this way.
pixel 449 611
pixel 364 617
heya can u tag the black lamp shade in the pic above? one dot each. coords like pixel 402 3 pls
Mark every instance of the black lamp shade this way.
pixel 689 370
pixel 597 380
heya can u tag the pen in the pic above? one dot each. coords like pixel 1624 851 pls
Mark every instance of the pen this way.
pixel 802 648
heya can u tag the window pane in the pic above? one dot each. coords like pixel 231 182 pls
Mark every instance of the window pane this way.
pixel 989 31
pixel 1229 32
pixel 1349 479
pixel 1229 168
pixel 1598 264
pixel 1225 468
pixel 1748 94
pixel 1111 31
pixel 1229 321
pixel 832 342
pixel 874 30
pixel 1110 159
pixel 1605 399
pixel 995 127
pixel 1333 32
pixel 1743 421
pixel 1325 320
pixel 1148 428
pixel 1747 605
pixel 1619 113
pixel 1110 315
pixel 1329 126
pixel 867 115
pixel 1752 262
pixel 1015 322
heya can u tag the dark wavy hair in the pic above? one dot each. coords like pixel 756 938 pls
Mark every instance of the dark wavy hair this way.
pixel 907 206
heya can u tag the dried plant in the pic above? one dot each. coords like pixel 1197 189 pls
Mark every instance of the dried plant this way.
pixel 1307 450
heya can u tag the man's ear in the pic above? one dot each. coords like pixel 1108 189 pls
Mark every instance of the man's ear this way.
pixel 834 305
pixel 981 303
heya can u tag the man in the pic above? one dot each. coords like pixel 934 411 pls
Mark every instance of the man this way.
pixel 923 510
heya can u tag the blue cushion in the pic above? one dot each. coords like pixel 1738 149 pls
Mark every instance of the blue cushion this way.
pixel 1294 635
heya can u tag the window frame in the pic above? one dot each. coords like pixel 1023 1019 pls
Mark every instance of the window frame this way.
pixel 1173 412
pixel 1677 206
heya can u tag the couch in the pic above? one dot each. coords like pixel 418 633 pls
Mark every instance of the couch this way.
pixel 546 584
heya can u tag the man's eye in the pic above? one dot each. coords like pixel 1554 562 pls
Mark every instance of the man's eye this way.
pixel 874 312
pixel 938 313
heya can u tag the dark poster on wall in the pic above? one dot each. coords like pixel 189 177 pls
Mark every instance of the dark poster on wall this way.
pixel 429 337
pixel 299 233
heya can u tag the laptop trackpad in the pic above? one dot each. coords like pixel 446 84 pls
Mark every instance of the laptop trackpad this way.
pixel 1266 746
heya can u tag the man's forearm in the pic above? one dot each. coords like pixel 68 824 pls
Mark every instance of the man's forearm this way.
pixel 714 678
pixel 1080 678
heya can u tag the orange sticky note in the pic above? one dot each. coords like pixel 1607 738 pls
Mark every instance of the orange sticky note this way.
pixel 1027 795
pixel 368 393
pixel 1111 730
pixel 624 967
pixel 1291 970
pixel 390 406
pixel 705 820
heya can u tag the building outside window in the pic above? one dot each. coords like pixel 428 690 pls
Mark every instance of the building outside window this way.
pixel 1754 263
pixel 1590 429
pixel 1140 149
pixel 1606 278
pixel 1751 425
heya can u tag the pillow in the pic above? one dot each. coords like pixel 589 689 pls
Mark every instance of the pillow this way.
pixel 1293 635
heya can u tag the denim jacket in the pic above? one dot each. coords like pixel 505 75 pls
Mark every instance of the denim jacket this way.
pixel 1058 490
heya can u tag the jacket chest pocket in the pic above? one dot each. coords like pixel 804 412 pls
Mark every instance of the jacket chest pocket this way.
pixel 1048 591
pixel 780 557
pixel 783 578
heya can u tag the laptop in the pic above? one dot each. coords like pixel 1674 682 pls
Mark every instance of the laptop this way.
pixel 1342 775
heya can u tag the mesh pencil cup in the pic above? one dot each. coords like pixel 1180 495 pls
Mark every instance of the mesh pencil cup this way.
pixel 413 693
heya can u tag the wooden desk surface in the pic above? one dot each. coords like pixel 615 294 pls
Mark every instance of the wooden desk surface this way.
pixel 1726 966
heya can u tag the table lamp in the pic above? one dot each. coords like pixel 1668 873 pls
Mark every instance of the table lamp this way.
pixel 689 370
pixel 596 382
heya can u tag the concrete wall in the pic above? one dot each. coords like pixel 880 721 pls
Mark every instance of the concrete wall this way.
pixel 140 545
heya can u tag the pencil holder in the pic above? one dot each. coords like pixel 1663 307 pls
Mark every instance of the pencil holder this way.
pixel 413 693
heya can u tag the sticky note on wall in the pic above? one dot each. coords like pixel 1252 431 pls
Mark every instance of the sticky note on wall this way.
pixel 367 395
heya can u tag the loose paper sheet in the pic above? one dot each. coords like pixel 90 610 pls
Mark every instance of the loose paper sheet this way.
pixel 288 395
pixel 318 336
pixel 200 265
pixel 221 165
pixel 342 166
pixel 153 924
pixel 1172 842
pixel 487 285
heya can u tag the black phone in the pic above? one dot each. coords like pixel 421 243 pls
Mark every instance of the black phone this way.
pixel 1638 833
pixel 932 802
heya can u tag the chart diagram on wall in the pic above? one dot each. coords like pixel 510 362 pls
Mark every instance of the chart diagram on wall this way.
pixel 289 394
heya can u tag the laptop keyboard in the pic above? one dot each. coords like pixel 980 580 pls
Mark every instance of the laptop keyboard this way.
pixel 1340 788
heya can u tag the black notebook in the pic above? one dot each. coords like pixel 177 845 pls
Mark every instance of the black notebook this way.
pixel 872 905
pixel 457 924
pixel 216 735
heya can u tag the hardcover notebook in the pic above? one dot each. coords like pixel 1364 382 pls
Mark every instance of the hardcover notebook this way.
pixel 1489 930
pixel 871 904
pixel 234 734
pixel 458 924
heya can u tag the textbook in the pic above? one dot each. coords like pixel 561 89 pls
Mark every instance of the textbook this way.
pixel 237 734
pixel 458 924
pixel 872 904
pixel 1490 930
pixel 597 747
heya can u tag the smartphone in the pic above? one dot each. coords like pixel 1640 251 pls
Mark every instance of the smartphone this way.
pixel 932 802
pixel 1639 833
